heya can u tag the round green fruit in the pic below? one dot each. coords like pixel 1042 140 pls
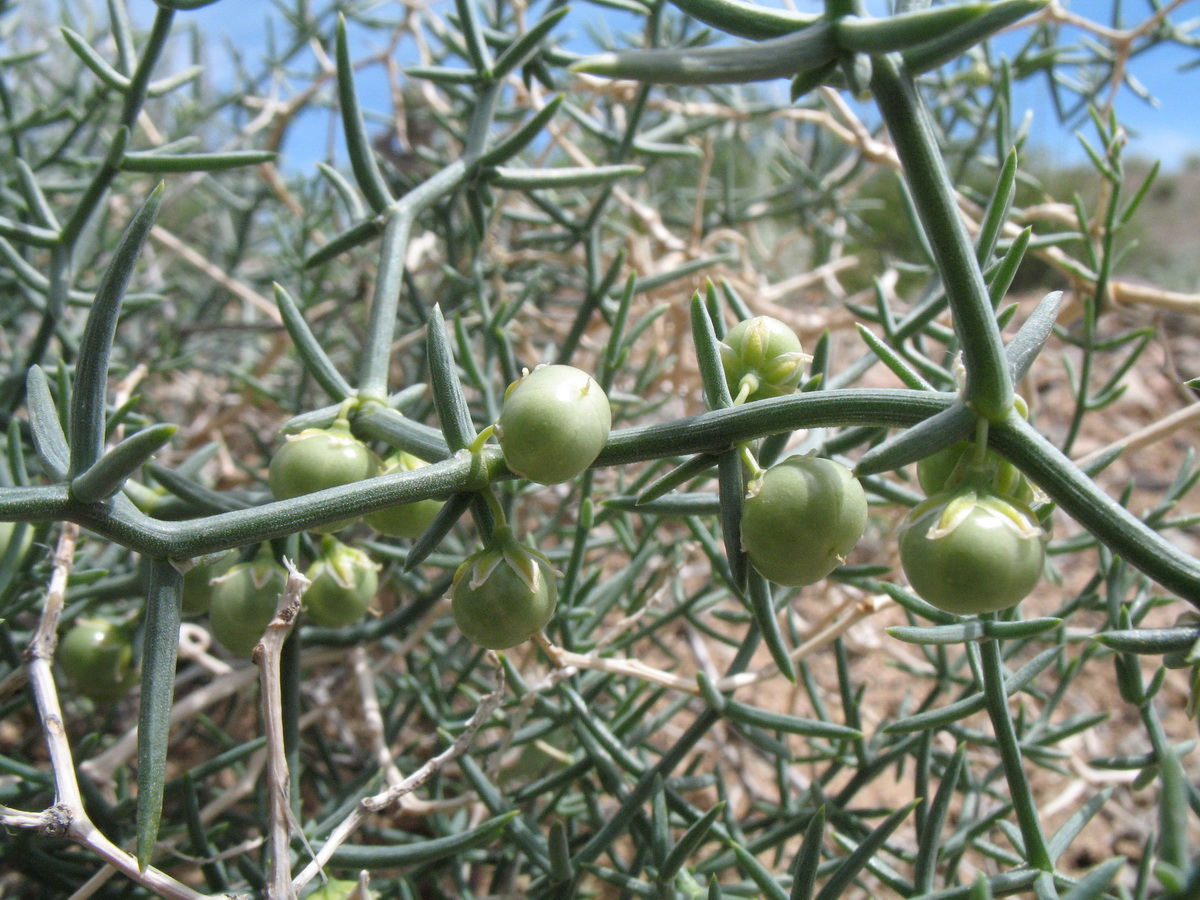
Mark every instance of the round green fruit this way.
pixel 763 357
pixel 972 551
pixel 343 582
pixel 954 466
pixel 503 595
pixel 801 519
pixel 317 459
pixel 243 603
pixel 97 657
pixel 198 584
pixel 405 520
pixel 554 423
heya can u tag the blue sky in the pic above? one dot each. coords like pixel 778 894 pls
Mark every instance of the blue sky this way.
pixel 1169 130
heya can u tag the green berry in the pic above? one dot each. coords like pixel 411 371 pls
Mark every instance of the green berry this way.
pixel 801 519
pixel 554 423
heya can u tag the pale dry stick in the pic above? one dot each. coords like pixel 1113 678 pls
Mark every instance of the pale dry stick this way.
pixel 797 691
pixel 693 110
pixel 194 644
pixel 121 393
pixel 625 624
pixel 417 335
pixel 47 821
pixel 1103 776
pixel 728 741
pixel 373 718
pixel 372 715
pixel 1145 295
pixel 155 880
pixel 571 662
pixel 837 248
pixel 727 235
pixel 850 130
pixel 488 705
pixel 267 654
pixel 217 274
pixel 651 218
pixel 1118 291
pixel 38 656
pixel 147 125
pixel 706 163
pixel 1066 798
pixel 846 616
pixel 700 651
pixel 333 696
pixel 395 793
pixel 67 817
pixel 362 891
pixel 854 133
pixel 103 767
pixel 1051 211
pixel 417 632
pixel 245 785
pixel 233 852
pixel 773 293
pixel 1151 434
pixel 280 116
pixel 1121 39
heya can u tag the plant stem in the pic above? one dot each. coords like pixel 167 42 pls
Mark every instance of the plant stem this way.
pixel 1105 518
pixel 979 457
pixel 1036 851
pixel 989 387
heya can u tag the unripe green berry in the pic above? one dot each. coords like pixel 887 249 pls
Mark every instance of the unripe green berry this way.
pixel 972 551
pixel 504 594
pixel 554 423
pixel 198 584
pixel 343 581
pixel 406 520
pixel 97 657
pixel 801 519
pixel 317 459
pixel 762 358
pixel 243 603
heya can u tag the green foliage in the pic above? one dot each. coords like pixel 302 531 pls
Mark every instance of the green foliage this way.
pixel 663 721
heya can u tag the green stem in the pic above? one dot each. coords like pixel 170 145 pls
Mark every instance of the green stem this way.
pixel 372 380
pixel 989 387
pixel 493 504
pixel 1037 853
pixel 979 457
pixel 481 439
pixel 748 385
pixel 1088 344
pixel 1104 517
pixel 135 96
pixel 377 354
pixel 752 466
pixel 1091 312
pixel 710 432
pixel 464 472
